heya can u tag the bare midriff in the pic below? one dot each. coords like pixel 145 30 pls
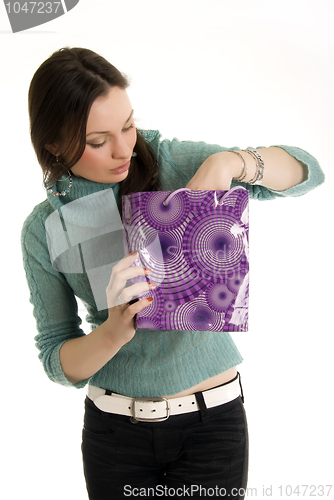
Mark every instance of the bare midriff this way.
pixel 209 383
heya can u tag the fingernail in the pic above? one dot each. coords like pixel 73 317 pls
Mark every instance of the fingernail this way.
pixel 133 253
pixel 151 285
pixel 147 271
pixel 150 299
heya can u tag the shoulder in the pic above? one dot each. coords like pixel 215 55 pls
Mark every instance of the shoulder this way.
pixel 34 224
pixel 153 138
pixel 150 135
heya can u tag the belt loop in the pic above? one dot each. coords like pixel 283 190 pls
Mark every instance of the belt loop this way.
pixel 202 406
pixel 242 392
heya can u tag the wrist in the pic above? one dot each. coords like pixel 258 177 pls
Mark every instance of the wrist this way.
pixel 240 166
pixel 251 166
pixel 235 164
pixel 112 342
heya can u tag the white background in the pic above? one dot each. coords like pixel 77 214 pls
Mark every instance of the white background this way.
pixel 241 73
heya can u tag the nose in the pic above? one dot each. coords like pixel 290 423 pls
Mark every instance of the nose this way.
pixel 120 149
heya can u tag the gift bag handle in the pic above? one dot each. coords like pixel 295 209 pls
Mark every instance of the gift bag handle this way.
pixel 217 202
pixel 223 198
pixel 172 194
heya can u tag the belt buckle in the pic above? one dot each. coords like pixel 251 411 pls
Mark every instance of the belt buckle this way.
pixel 135 410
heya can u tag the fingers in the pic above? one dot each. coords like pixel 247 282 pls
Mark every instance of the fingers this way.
pixel 135 308
pixel 131 272
pixel 123 319
pixel 117 284
pixel 122 271
pixel 137 289
pixel 117 294
pixel 125 262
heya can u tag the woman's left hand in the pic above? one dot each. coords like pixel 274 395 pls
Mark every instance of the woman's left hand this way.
pixel 216 172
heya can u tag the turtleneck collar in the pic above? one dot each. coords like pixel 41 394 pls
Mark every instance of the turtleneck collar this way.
pixel 88 204
pixel 80 187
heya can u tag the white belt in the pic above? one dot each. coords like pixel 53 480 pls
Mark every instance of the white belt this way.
pixel 158 409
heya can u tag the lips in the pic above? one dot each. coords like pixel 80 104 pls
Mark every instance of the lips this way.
pixel 121 169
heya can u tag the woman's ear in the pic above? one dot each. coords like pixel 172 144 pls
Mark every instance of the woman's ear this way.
pixel 52 148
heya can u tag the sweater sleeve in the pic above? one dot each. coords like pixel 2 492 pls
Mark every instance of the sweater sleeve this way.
pixel 181 159
pixel 55 306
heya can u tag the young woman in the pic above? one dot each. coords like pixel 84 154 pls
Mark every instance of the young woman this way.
pixel 195 439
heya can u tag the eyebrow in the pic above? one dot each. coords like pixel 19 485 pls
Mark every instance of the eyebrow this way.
pixel 106 131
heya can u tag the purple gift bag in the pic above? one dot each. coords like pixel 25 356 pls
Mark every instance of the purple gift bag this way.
pixel 196 244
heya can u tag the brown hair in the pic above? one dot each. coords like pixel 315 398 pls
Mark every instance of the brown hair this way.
pixel 61 94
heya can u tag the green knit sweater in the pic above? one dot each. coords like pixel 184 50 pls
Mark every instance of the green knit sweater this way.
pixel 153 363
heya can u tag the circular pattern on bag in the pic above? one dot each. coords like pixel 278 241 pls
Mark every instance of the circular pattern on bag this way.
pixel 234 282
pixel 182 284
pixel 201 318
pixel 212 245
pixel 161 254
pixel 170 244
pixel 139 235
pixel 237 200
pixel 219 297
pixel 151 315
pixel 170 305
pixel 145 323
pixel 163 217
pixel 196 315
pixel 241 206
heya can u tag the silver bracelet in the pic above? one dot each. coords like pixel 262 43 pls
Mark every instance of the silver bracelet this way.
pixel 244 166
pixel 258 177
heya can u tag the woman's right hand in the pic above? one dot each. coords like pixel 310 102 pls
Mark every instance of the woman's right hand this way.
pixel 121 318
pixel 84 356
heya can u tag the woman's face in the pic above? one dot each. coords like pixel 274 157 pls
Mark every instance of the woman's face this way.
pixel 110 138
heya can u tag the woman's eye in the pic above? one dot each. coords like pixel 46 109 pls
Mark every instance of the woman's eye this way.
pixel 97 145
pixel 128 128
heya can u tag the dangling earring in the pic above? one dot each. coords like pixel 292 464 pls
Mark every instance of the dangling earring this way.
pixel 65 191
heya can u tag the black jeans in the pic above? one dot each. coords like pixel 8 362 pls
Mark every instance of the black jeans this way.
pixel 195 455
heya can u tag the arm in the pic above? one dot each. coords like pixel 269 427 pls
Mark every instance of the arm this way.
pixel 282 171
pixel 82 357
pixel 180 160
pixel 70 357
